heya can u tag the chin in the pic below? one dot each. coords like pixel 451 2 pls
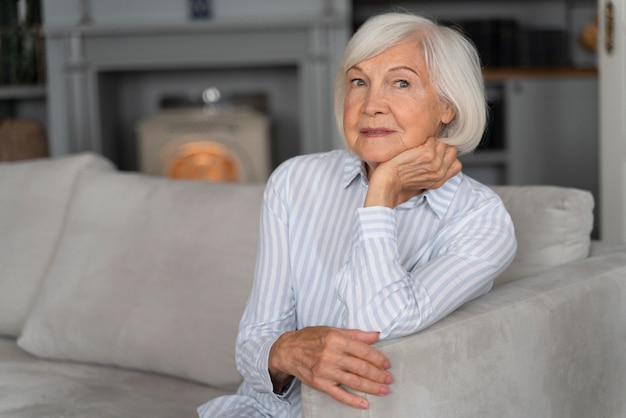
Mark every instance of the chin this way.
pixel 377 158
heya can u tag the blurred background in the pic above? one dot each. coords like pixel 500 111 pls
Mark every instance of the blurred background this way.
pixel 228 89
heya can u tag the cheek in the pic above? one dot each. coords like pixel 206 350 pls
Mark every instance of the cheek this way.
pixel 349 101
pixel 349 111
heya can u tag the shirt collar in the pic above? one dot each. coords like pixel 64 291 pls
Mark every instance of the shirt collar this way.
pixel 438 200
pixel 353 167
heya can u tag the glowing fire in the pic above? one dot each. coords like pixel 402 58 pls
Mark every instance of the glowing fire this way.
pixel 204 160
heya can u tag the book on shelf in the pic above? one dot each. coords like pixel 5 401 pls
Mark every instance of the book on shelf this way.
pixel 505 43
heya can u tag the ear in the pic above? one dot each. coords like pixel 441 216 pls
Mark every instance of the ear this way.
pixel 448 112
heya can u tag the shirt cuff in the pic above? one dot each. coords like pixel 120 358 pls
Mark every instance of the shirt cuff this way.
pixel 288 390
pixel 263 379
pixel 375 222
pixel 267 384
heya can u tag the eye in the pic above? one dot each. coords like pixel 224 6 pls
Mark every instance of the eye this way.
pixel 357 82
pixel 402 84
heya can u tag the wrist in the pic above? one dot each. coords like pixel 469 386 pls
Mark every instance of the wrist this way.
pixel 280 378
pixel 382 191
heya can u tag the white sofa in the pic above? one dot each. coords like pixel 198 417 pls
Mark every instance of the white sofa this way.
pixel 120 296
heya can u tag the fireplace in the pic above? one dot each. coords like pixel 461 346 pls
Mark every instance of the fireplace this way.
pixel 104 80
pixel 206 143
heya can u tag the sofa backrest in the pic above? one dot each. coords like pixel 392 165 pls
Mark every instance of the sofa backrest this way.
pixel 34 196
pixel 151 273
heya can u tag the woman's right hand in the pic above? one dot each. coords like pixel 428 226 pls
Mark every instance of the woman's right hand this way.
pixel 327 358
pixel 411 172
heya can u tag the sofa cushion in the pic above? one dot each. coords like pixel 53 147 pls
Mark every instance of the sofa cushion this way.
pixel 552 225
pixel 35 388
pixel 34 196
pixel 151 274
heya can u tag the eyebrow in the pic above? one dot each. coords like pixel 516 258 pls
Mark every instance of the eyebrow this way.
pixel 398 68
pixel 404 67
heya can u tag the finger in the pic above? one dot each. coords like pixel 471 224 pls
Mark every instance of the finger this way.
pixel 365 351
pixel 344 361
pixel 335 389
pixel 367 337
pixel 449 154
pixel 451 162
pixel 430 151
pixel 362 375
pixel 454 169
pixel 342 395
pixel 352 373
pixel 443 166
pixel 360 385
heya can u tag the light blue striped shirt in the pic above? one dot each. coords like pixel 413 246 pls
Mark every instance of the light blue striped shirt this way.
pixel 323 259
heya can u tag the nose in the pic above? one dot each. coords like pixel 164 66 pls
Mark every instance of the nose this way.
pixel 375 101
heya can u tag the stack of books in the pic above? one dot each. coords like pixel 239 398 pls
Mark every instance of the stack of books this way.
pixel 505 43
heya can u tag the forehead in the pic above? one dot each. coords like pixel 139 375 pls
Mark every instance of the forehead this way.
pixel 407 53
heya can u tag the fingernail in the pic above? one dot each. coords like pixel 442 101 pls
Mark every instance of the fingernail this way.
pixel 364 405
pixel 389 379
pixel 384 390
pixel 387 365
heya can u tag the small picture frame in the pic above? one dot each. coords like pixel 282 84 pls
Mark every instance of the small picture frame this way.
pixel 200 9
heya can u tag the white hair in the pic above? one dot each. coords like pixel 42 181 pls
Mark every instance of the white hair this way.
pixel 453 65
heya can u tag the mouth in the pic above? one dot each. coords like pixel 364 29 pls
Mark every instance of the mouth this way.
pixel 376 132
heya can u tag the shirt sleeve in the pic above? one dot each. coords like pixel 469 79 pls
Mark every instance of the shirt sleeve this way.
pixel 380 294
pixel 270 310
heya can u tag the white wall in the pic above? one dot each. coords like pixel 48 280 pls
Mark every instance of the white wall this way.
pixel 613 125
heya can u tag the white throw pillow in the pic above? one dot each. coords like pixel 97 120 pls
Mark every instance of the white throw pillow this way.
pixel 552 226
pixel 151 274
pixel 34 196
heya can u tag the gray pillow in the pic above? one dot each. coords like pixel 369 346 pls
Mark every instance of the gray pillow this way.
pixel 34 196
pixel 552 225
pixel 151 274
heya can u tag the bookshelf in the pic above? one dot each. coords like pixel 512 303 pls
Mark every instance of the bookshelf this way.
pixel 23 92
pixel 23 101
pixel 500 74
pixel 507 33
pixel 22 69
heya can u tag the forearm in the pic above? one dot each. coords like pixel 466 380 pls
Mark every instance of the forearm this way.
pixel 373 285
pixel 382 292
pixel 270 307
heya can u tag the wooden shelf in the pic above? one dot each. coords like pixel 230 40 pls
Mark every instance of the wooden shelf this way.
pixel 482 157
pixel 496 74
pixel 395 2
pixel 22 92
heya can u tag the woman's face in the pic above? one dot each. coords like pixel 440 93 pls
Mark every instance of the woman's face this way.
pixel 391 105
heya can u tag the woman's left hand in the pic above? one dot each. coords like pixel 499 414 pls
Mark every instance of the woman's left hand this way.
pixel 327 359
pixel 411 172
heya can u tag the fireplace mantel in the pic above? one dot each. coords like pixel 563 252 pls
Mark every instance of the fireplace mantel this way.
pixel 78 56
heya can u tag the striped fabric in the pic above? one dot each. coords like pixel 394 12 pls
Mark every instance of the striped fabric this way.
pixel 323 259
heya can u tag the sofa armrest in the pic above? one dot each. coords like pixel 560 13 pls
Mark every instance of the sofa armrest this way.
pixel 549 345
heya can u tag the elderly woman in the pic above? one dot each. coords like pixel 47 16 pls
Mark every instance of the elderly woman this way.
pixel 376 242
